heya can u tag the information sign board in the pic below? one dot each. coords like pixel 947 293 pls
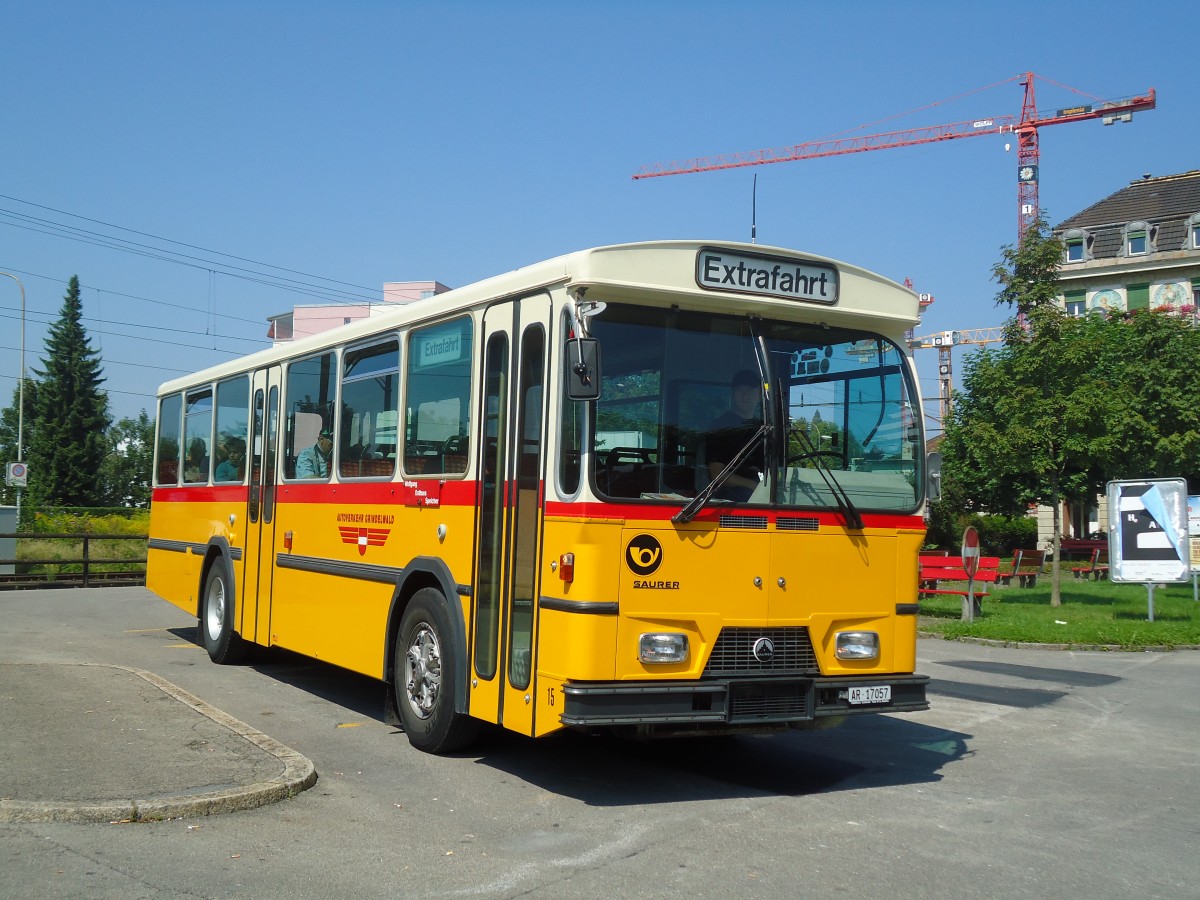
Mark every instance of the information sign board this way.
pixel 1147 534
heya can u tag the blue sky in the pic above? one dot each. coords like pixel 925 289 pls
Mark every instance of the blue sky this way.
pixel 341 145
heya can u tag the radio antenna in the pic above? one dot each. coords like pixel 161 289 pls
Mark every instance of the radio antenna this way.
pixel 754 210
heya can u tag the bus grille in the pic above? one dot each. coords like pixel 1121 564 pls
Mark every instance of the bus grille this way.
pixel 793 523
pixel 757 523
pixel 733 653
pixel 757 702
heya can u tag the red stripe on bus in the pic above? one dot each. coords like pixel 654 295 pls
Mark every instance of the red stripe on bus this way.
pixel 464 493
pixel 594 510
pixel 226 493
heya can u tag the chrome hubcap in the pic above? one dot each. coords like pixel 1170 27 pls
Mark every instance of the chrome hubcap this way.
pixel 214 615
pixel 423 671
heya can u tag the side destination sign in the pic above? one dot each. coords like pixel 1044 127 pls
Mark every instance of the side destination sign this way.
pixel 767 276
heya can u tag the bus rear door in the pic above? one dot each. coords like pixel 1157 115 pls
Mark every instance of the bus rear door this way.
pixel 254 616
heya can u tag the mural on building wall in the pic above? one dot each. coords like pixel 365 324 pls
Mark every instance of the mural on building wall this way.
pixel 1171 295
pixel 1108 301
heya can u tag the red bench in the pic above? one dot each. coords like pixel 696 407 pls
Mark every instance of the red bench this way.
pixel 1096 568
pixel 936 569
pixel 1026 567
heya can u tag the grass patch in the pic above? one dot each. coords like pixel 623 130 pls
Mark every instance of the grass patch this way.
pixel 1092 613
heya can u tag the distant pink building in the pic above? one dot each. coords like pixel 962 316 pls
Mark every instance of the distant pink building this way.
pixel 305 320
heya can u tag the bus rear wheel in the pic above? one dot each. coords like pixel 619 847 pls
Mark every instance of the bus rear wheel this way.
pixel 426 676
pixel 223 644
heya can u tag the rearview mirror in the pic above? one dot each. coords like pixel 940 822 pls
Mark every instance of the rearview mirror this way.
pixel 581 368
pixel 933 475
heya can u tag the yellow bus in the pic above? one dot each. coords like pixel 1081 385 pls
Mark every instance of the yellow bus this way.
pixel 662 488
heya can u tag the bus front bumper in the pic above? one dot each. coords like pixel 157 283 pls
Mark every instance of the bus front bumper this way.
pixel 737 704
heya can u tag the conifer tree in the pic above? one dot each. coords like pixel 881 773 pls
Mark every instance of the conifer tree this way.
pixel 68 443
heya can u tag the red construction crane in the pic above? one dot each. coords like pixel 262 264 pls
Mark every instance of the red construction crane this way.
pixel 1025 128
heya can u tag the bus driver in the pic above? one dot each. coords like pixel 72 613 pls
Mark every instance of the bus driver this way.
pixel 730 432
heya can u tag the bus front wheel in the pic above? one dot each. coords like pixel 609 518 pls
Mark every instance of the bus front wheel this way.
pixel 223 644
pixel 426 675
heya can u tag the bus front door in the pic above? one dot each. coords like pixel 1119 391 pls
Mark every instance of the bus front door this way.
pixel 254 605
pixel 510 501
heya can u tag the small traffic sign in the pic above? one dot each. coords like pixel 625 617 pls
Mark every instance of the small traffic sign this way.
pixel 970 552
pixel 17 475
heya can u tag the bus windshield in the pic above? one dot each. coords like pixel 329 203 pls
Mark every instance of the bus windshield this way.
pixel 783 414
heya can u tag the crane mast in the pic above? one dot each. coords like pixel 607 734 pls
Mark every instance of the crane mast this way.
pixel 944 342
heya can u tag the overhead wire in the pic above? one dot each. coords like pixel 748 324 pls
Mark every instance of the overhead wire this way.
pixel 215 262
pixel 360 293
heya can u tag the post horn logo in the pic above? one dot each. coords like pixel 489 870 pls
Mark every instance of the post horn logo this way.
pixel 644 554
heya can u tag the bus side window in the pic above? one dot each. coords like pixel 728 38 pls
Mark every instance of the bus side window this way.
pixel 167 463
pixel 370 394
pixel 572 414
pixel 311 384
pixel 233 430
pixel 438 399
pixel 197 436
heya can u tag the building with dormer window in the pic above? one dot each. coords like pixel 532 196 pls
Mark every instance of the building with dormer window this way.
pixel 1136 249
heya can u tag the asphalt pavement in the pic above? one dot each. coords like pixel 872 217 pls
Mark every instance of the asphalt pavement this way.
pixel 1067 774
pixel 111 743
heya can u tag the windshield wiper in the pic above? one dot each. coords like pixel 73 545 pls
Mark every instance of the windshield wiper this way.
pixel 854 521
pixel 698 503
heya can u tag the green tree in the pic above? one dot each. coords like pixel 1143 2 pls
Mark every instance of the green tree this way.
pixel 1151 360
pixel 1069 403
pixel 125 474
pixel 68 445
pixel 1029 424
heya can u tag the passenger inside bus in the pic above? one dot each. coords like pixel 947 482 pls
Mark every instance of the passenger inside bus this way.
pixel 314 462
pixel 195 467
pixel 231 453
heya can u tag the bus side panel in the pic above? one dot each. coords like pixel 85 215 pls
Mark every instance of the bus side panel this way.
pixel 186 525
pixel 334 618
pixel 342 618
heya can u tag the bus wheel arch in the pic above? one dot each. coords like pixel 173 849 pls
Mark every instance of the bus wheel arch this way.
pixel 216 608
pixel 427 667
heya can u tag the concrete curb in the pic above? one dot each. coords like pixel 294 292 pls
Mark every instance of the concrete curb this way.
pixel 298 775
pixel 1024 645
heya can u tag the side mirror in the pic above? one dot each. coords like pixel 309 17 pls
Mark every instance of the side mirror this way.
pixel 581 368
pixel 933 474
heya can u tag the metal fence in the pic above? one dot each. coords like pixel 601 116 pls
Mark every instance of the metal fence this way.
pixel 85 570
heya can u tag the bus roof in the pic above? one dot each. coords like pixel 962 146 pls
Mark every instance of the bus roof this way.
pixel 716 276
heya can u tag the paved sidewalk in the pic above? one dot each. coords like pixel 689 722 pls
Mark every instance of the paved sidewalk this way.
pixel 101 743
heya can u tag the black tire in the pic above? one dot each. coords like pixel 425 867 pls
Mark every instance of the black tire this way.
pixel 223 644
pixel 426 674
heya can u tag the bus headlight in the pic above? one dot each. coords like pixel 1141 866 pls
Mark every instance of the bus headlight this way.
pixel 663 647
pixel 857 645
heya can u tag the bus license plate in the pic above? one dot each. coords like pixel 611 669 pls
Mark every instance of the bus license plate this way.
pixel 875 693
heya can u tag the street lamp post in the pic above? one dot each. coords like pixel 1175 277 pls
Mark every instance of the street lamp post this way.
pixel 20 392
